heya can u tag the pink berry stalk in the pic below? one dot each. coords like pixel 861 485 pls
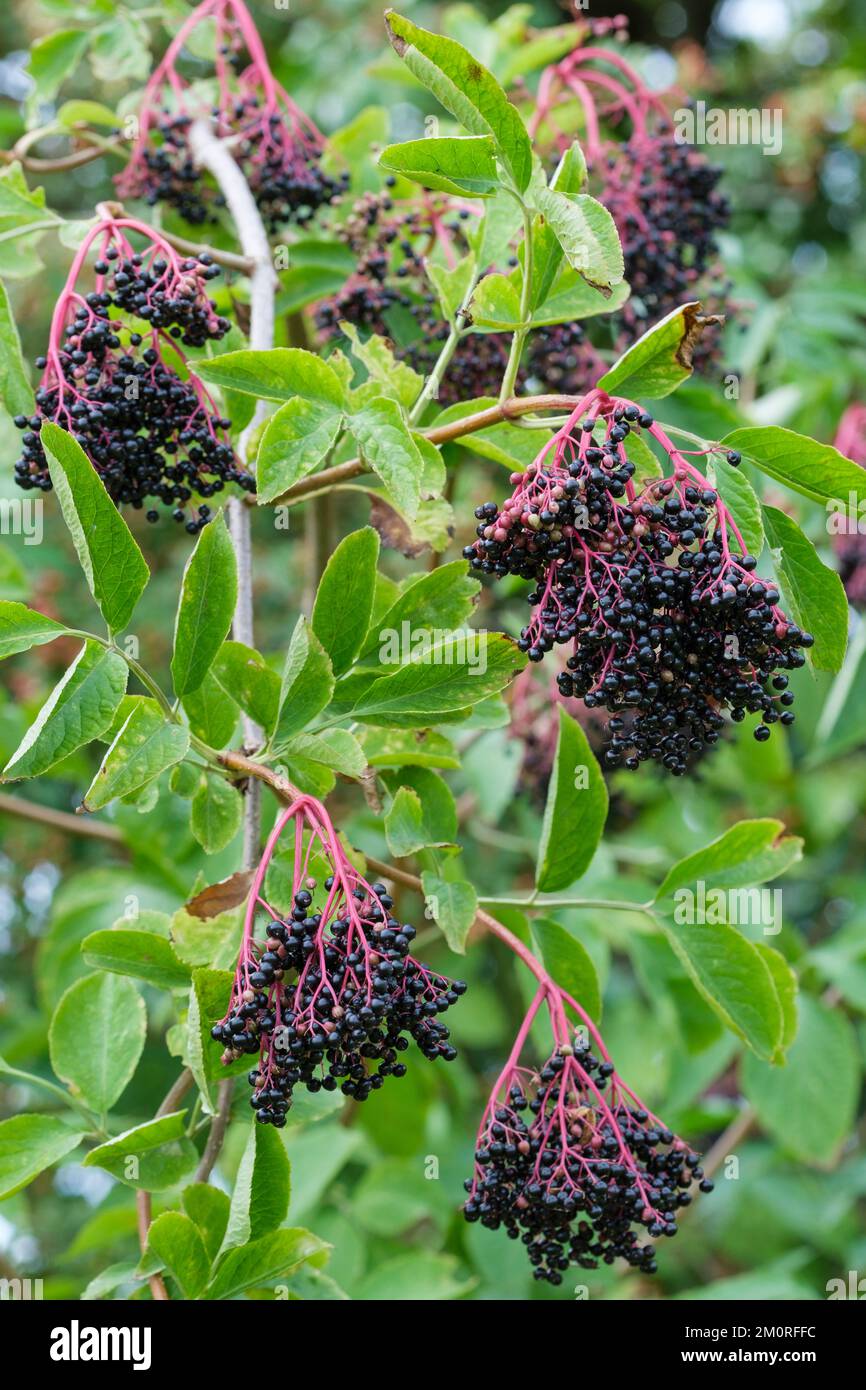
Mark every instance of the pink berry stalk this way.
pixel 276 144
pixel 327 994
pixel 568 1159
pixel 115 375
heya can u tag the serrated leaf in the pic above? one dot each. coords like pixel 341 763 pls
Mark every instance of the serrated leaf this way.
pixel 150 1157
pixel 587 234
pixel 744 505
pixel 113 565
pixel 816 470
pixel 575 811
pixel 307 684
pixel 16 393
pixel 453 164
pixel 28 1145
pixel 145 746
pixel 375 353
pixel 344 598
pixel 261 1261
pixel 53 58
pixel 141 954
pixel 295 441
pixel 78 710
pixel 571 297
pixel 408 748
pixel 242 673
pixel 496 304
pixel 452 903
pixel 216 814
pixel 442 599
pixel 732 976
pixel 177 1242
pixel 212 712
pixel 662 358
pixel 333 748
pixel 275 374
pixel 208 1207
pixel 569 962
pixel 96 1038
pixel 260 1194
pixel 207 603
pixel 466 89
pixel 809 1105
pixel 388 448
pixel 751 852
pixel 444 681
pixel 815 593
pixel 22 628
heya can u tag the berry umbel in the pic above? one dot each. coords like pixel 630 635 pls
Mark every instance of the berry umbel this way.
pixel 569 1160
pixel 278 148
pixel 662 195
pixel 115 376
pixel 330 996
pixel 651 584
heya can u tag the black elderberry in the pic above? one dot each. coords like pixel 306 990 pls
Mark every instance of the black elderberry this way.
pixel 667 625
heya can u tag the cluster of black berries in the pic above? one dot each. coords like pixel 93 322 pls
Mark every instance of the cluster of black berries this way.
pixel 562 358
pixel 390 282
pixel 664 200
pixel 329 1003
pixel 669 626
pixel 148 431
pixel 574 1176
pixel 285 175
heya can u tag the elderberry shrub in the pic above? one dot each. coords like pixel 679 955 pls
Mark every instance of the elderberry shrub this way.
pixel 668 624
pixel 149 432
pixel 570 1163
pixel 328 1002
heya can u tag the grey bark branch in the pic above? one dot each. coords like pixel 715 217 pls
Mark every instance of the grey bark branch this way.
pixel 213 155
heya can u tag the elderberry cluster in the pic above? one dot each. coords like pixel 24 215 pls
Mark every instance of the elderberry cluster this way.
pixel 147 431
pixel 575 1178
pixel 331 1004
pixel 668 626
pixel 286 176
pixel 665 203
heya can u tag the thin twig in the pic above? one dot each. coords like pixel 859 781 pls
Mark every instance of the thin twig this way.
pixel 218 1127
pixel 511 409
pixel 59 820
pixel 733 1135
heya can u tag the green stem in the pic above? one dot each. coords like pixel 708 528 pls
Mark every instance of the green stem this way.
pixel 547 900
pixel 518 337
pixel 684 434
pixel 430 389
pixel 55 1090
pixel 209 754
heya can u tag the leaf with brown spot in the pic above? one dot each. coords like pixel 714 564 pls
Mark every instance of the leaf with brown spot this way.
pixel 662 359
